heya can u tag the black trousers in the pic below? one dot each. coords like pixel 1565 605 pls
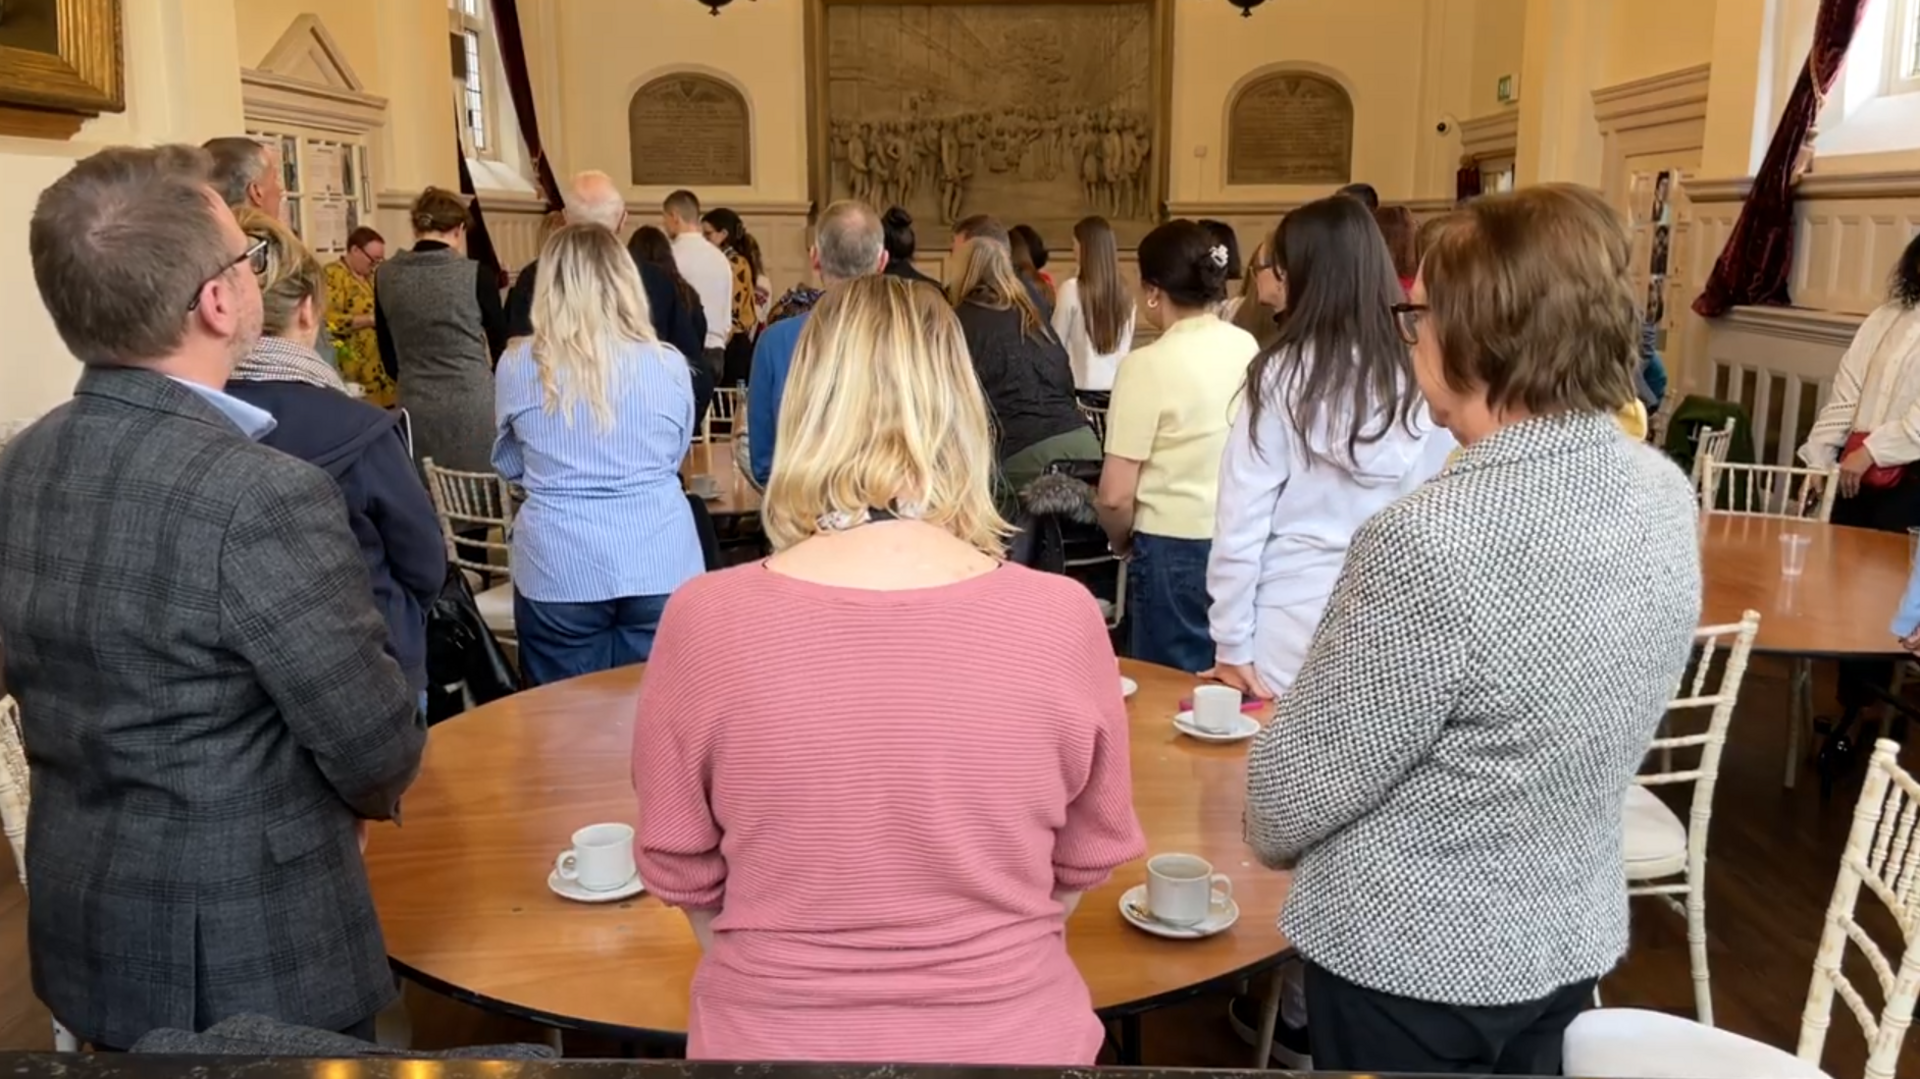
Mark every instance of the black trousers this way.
pixel 1362 1030
pixel 1887 509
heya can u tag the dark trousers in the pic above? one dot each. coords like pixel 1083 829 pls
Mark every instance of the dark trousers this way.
pixel 1889 509
pixel 562 640
pixel 1362 1030
pixel 1167 602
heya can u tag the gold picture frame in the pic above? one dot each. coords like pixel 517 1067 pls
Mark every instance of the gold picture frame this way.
pixel 54 77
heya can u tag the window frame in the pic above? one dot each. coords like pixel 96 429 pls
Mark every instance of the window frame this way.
pixel 469 21
pixel 1902 65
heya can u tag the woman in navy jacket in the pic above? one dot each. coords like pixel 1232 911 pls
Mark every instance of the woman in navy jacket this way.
pixel 360 446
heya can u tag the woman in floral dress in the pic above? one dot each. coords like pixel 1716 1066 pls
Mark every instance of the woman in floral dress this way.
pixel 350 316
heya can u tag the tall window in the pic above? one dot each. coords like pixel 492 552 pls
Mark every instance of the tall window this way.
pixel 1903 47
pixel 467 22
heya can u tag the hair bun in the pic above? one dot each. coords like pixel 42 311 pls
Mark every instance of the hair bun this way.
pixel 422 221
pixel 897 217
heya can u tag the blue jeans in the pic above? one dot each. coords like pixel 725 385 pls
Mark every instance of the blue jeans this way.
pixel 561 640
pixel 1167 602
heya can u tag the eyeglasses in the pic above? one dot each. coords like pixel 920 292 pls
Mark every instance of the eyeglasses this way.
pixel 255 256
pixel 1408 317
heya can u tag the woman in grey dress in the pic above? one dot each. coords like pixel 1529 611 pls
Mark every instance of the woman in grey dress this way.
pixel 442 328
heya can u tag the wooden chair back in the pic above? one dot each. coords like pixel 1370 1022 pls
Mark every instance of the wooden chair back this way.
pixel 1745 490
pixel 470 501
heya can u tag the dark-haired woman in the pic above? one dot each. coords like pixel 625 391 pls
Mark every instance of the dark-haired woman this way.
pixel 1402 237
pixel 1030 261
pixel 901 244
pixel 1173 402
pixel 1331 430
pixel 1870 428
pixel 649 246
pixel 441 327
pixel 1093 310
pixel 752 290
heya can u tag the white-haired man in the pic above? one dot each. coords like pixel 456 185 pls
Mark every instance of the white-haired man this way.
pixel 594 199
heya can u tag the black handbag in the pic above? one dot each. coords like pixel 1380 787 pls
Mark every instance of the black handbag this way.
pixel 465 662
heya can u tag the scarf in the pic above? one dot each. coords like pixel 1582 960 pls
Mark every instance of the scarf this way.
pixel 276 359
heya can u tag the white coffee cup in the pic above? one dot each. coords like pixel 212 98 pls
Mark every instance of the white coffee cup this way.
pixel 1215 708
pixel 601 859
pixel 703 485
pixel 1180 888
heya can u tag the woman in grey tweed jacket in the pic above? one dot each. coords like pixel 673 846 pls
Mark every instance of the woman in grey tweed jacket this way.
pixel 1446 773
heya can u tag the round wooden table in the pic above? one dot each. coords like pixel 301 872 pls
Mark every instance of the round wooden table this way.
pixel 1839 606
pixel 462 886
pixel 737 496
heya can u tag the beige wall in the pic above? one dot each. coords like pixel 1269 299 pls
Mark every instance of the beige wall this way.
pixel 1653 37
pixel 1499 40
pixel 354 24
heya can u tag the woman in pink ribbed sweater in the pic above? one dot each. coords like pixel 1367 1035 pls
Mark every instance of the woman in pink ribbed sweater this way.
pixel 878 770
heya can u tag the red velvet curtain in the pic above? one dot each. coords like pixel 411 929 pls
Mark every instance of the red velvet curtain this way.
pixel 1754 267
pixel 1466 182
pixel 513 60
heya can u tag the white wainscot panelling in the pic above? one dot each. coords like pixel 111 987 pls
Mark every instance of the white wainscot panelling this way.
pixel 1779 362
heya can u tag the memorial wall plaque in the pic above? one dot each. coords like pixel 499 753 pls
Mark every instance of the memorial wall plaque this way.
pixel 690 130
pixel 1290 127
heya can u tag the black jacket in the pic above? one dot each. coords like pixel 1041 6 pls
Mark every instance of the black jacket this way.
pixel 361 447
pixel 1026 377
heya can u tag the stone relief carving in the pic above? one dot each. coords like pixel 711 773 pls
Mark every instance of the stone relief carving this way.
pixel 1039 112
pixel 1290 127
pixel 687 129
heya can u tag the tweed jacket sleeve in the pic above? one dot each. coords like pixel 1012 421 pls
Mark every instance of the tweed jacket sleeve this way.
pixel 293 602
pixel 1378 684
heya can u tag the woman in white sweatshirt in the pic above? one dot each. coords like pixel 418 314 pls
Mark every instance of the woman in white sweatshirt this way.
pixel 1093 310
pixel 1333 429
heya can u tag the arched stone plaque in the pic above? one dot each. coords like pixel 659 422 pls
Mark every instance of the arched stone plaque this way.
pixel 1290 127
pixel 688 130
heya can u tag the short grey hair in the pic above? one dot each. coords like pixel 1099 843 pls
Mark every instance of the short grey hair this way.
pixel 594 199
pixel 849 240
pixel 238 163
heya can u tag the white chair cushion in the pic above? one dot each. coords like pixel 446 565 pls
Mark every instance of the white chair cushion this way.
pixel 1656 841
pixel 496 608
pixel 1627 1043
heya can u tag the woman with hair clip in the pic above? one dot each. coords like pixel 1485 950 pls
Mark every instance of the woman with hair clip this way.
pixel 360 445
pixel 759 807
pixel 441 325
pixel 752 290
pixel 1870 428
pixel 1093 312
pixel 594 415
pixel 1021 366
pixel 1172 404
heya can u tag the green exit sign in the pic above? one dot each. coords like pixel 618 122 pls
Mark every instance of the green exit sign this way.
pixel 1504 90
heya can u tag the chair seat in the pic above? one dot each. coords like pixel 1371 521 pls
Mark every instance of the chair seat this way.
pixel 1656 841
pixel 1627 1043
pixel 496 608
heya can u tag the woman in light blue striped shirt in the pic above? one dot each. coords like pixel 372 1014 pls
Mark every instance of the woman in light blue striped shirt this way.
pixel 594 416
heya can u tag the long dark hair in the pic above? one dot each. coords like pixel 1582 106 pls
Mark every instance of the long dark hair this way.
pixel 1105 302
pixel 1029 253
pixel 739 240
pixel 651 246
pixel 1905 289
pixel 1338 350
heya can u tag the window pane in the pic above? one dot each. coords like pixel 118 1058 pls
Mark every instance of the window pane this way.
pixel 475 92
pixel 472 7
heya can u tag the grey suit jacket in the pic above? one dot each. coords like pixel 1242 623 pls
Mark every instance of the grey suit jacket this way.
pixel 207 709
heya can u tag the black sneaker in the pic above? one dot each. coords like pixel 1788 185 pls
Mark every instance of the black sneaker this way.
pixel 1292 1046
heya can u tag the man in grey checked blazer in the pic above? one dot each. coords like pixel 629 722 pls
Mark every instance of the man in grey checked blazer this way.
pixel 208 709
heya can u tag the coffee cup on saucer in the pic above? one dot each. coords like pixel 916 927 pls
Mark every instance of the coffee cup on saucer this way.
pixel 601 858
pixel 1216 709
pixel 1181 887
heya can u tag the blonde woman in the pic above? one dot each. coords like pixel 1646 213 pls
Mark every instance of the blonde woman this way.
pixel 593 417
pixel 1021 365
pixel 358 444
pixel 791 816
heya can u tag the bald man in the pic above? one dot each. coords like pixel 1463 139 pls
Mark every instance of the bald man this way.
pixel 849 242
pixel 593 198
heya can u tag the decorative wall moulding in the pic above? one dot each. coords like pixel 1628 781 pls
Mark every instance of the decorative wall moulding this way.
pixel 61 64
pixel 1718 189
pixel 1795 323
pixel 306 80
pixel 1497 134
pixel 1657 99
pixel 644 211
pixel 1278 208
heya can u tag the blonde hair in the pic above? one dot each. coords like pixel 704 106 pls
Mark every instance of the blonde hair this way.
pixel 983 274
pixel 587 301
pixel 292 273
pixel 882 408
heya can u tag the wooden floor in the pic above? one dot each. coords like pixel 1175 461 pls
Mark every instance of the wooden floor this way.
pixel 1772 857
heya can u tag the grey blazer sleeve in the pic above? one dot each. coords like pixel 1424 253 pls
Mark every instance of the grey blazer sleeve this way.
pixel 1378 684
pixel 296 603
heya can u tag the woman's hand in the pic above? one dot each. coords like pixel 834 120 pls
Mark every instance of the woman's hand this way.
pixel 1240 676
pixel 1911 642
pixel 1853 466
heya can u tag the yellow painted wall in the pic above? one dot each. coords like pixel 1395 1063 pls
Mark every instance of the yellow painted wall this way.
pixel 1653 37
pixel 354 25
pixel 1499 39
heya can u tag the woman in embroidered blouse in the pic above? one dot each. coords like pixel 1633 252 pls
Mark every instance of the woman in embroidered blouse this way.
pixel 1870 428
pixel 751 288
pixel 350 316
pixel 884 875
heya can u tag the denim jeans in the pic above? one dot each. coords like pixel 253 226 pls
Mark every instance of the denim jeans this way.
pixel 1167 602
pixel 561 640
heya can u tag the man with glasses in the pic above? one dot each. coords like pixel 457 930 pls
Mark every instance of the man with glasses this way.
pixel 205 695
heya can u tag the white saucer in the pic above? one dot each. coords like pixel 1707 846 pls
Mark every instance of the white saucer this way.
pixel 1128 687
pixel 1133 907
pixel 1245 727
pixel 570 889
